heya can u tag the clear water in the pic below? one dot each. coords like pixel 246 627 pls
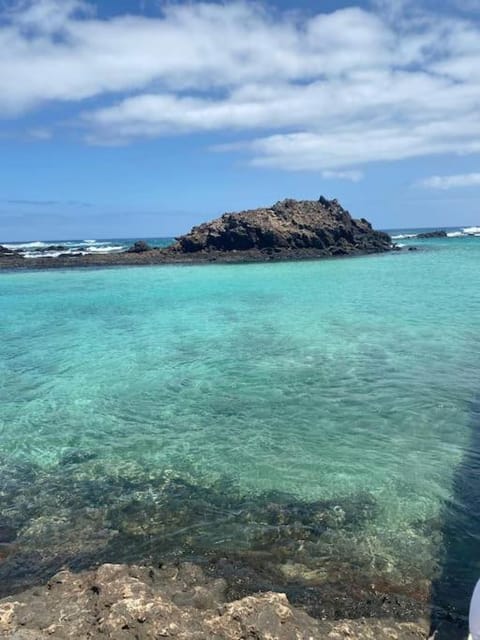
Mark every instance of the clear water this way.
pixel 164 410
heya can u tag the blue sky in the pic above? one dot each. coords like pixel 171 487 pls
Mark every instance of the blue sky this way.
pixel 140 118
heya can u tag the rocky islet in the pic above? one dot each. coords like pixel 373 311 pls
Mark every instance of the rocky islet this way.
pixel 288 230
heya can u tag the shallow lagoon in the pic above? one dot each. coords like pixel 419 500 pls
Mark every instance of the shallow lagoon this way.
pixel 319 417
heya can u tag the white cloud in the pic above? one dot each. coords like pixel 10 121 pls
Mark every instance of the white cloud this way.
pixel 352 175
pixel 196 46
pixel 451 182
pixel 356 145
pixel 326 93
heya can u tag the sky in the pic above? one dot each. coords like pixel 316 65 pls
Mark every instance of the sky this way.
pixel 140 118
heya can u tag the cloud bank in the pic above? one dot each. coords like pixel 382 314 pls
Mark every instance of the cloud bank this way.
pixel 329 92
pixel 451 182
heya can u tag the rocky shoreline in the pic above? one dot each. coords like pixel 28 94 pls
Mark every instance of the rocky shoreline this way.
pixel 289 230
pixel 124 602
pixel 82 515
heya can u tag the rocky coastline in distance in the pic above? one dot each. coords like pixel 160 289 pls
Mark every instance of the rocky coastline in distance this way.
pixel 288 230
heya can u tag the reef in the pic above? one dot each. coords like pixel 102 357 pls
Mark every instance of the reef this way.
pixel 432 234
pixel 288 230
pixel 80 513
pixel 176 601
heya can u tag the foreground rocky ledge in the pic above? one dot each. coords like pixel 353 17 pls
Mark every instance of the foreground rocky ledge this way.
pixel 289 230
pixel 125 602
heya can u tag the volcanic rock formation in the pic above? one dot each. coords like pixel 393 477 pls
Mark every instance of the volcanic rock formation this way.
pixel 288 230
pixel 294 226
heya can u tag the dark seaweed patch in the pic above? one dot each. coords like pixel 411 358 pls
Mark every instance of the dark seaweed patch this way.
pixel 80 514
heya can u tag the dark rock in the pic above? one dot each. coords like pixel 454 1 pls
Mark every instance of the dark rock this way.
pixel 5 550
pixel 7 534
pixel 433 234
pixel 139 247
pixel 5 253
pixel 76 456
pixel 412 248
pixel 291 225
pixel 125 602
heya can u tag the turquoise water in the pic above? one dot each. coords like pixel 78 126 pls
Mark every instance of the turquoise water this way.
pixel 163 410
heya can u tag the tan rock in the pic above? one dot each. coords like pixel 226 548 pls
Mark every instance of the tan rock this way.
pixel 120 602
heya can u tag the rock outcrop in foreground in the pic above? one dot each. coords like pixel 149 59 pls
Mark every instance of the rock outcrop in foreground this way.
pixel 288 230
pixel 126 603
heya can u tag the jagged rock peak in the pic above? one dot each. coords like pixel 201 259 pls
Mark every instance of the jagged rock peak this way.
pixel 288 225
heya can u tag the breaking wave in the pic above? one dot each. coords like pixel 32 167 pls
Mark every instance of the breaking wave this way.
pixel 41 249
pixel 460 232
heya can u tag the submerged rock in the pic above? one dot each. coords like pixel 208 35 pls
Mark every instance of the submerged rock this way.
pixel 7 533
pixel 125 602
pixel 84 512
pixel 77 456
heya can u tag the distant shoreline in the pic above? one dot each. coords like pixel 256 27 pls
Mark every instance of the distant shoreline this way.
pixel 158 257
pixel 288 230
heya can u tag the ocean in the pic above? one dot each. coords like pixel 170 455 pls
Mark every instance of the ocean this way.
pixel 317 422
pixel 54 248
